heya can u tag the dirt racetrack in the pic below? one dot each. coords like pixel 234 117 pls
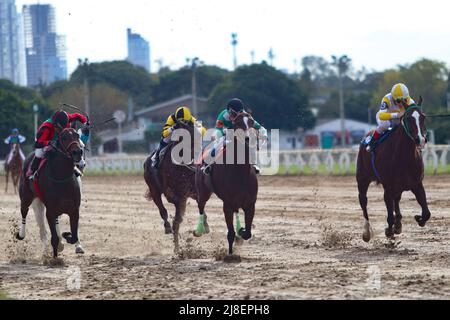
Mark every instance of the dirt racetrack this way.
pixel 307 245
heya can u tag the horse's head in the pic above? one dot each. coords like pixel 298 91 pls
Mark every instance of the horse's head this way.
pixel 414 124
pixel 69 140
pixel 15 149
pixel 243 124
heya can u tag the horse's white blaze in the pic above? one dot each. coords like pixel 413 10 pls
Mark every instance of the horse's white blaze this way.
pixel 416 116
pixel 246 122
pixel 39 213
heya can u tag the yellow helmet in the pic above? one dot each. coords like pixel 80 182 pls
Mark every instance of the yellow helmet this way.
pixel 183 114
pixel 400 92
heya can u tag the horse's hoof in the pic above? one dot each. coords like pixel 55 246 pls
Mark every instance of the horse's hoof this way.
pixel 207 229
pixel 398 229
pixel 18 237
pixel 168 231
pixel 67 236
pixel 244 234
pixel 389 233
pixel 79 249
pixel 420 221
pixel 196 234
pixel 366 237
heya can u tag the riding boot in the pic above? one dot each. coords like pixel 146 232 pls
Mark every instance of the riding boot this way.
pixel 33 168
pixel 373 140
pixel 155 158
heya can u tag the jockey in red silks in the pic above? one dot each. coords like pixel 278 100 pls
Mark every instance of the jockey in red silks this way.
pixel 48 133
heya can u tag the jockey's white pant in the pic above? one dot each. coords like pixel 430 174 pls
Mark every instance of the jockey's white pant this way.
pixel 10 156
pixel 39 153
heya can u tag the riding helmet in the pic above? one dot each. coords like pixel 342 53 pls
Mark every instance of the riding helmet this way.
pixel 400 92
pixel 236 105
pixel 61 119
pixel 15 131
pixel 183 114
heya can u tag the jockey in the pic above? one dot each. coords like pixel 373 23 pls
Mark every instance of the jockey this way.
pixel 181 115
pixel 15 138
pixel 392 108
pixel 225 121
pixel 48 133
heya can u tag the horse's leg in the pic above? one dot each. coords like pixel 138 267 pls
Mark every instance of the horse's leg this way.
pixel 39 213
pixel 202 226
pixel 6 186
pixel 24 207
pixel 398 216
pixel 421 197
pixel 249 212
pixel 51 219
pixel 389 201
pixel 363 186
pixel 229 220
pixel 163 212
pixel 180 208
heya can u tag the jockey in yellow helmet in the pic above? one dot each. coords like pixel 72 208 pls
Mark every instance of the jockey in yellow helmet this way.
pixel 392 108
pixel 181 115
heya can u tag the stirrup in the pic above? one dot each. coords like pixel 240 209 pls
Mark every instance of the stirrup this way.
pixel 206 169
pixel 257 169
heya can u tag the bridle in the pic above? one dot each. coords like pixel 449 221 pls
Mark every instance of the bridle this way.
pixel 405 123
pixel 66 149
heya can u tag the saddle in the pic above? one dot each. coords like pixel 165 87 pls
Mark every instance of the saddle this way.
pixel 382 138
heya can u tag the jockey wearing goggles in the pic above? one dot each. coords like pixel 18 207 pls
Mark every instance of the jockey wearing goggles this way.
pixel 181 116
pixel 392 108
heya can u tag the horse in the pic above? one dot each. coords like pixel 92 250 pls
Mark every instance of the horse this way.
pixel 396 164
pixel 14 167
pixel 177 183
pixel 235 183
pixel 55 190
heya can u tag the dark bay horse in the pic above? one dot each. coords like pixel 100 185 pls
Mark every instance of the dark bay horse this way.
pixel 397 164
pixel 58 189
pixel 176 182
pixel 14 167
pixel 235 183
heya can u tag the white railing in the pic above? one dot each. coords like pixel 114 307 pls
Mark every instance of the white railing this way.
pixel 339 161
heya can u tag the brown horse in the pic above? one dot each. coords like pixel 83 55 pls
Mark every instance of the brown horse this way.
pixel 397 164
pixel 176 182
pixel 235 183
pixel 58 189
pixel 14 167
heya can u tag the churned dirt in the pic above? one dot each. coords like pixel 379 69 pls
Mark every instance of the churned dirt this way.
pixel 306 245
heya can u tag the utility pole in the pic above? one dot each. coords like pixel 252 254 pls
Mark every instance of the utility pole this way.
pixel 85 69
pixel 234 43
pixel 36 110
pixel 194 86
pixel 342 64
pixel 271 56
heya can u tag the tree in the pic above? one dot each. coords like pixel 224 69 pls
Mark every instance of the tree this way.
pixel 177 83
pixel 276 100
pixel 122 75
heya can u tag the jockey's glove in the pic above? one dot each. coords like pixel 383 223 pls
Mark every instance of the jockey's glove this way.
pixel 394 115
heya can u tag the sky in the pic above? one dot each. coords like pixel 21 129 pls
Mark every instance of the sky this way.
pixel 375 34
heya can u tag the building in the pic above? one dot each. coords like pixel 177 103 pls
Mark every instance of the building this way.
pixel 138 50
pixel 45 49
pixel 12 64
pixel 327 133
pixel 151 119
